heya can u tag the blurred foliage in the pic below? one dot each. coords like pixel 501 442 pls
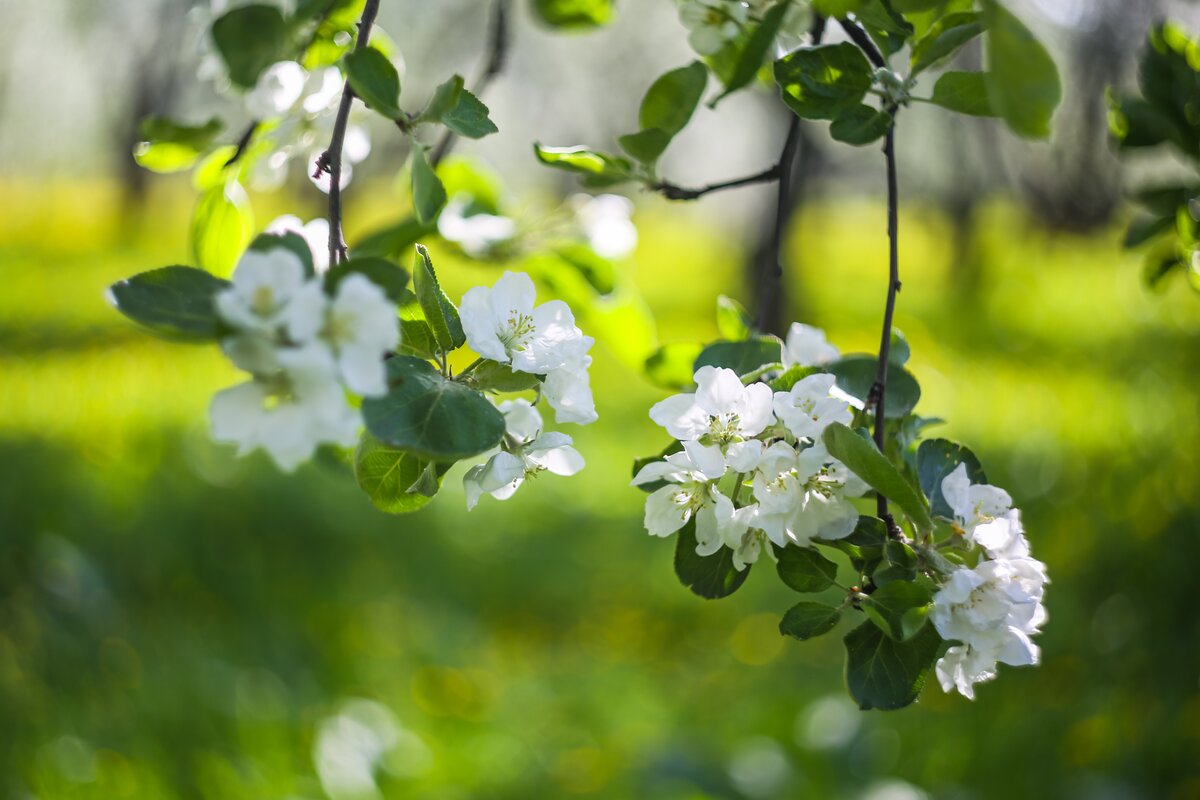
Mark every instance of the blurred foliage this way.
pixel 177 624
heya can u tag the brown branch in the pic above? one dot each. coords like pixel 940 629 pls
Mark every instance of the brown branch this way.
pixel 497 57
pixel 673 192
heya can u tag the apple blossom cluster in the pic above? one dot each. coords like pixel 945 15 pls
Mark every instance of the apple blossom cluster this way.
pixel 304 348
pixel 786 488
pixel 714 25
pixel 992 609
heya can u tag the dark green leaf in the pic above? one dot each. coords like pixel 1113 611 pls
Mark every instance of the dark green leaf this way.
pixel 574 14
pixel 807 620
pixel 856 376
pixel 860 125
pixel 711 577
pixel 937 458
pixel 469 117
pixel 645 146
pixel 375 80
pixel 803 569
pixel 899 609
pixel 672 99
pixel 1145 227
pixel 741 357
pixel 250 39
pixel 429 196
pixel 672 366
pixel 387 474
pixel 889 30
pixel 754 52
pixel 898 351
pixel 825 81
pixel 885 674
pixel 392 279
pixel 944 39
pixel 1023 84
pixel 440 313
pixel 865 461
pixel 791 377
pixel 431 416
pixel 492 376
pixel 174 302
pixel 445 97
pixel 416 337
pixel 1136 123
pixel 673 447
pixel 964 92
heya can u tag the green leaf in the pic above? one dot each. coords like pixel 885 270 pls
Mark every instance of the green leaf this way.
pixel 741 357
pixel 964 92
pixel 860 125
pixel 865 461
pixel 389 277
pixel 429 196
pixel 292 242
pixel 492 376
pixel 574 14
pixel 600 169
pixel 856 376
pixel 807 620
pixel 430 416
pixel 752 55
pixel 672 99
pixel 1136 123
pixel 889 30
pixel 394 241
pixel 825 81
pixel 173 302
pixel 645 146
pixel 598 271
pixel 388 473
pixel 711 577
pixel 899 351
pixel 671 366
pixel 638 464
pixel 803 569
pixel 791 376
pixel 169 146
pixel 416 337
pixel 733 320
pixel 885 674
pixel 444 98
pixel 250 39
pixel 462 112
pixel 222 227
pixel 937 458
pixel 375 80
pixel 944 39
pixel 440 312
pixel 1145 227
pixel 1023 83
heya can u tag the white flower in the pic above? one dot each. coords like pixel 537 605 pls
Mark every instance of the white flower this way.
pixel 501 323
pixel 712 23
pixel 288 413
pixel 806 346
pixel 315 234
pixel 973 503
pixel 992 610
pixel 569 392
pixel 1003 537
pixel 263 284
pixel 279 87
pixel 359 324
pixel 721 412
pixel 476 234
pixel 691 491
pixel 812 405
pixel 802 495
pixel 528 452
pixel 606 223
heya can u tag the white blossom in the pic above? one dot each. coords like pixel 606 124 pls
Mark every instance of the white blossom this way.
pixel 289 412
pixel 528 452
pixel 263 284
pixel 812 405
pixel 476 234
pixel 691 492
pixel 722 412
pixel 712 23
pixel 315 234
pixel 973 503
pixel 568 390
pixel 501 323
pixel 802 495
pixel 359 324
pixel 806 346
pixel 607 224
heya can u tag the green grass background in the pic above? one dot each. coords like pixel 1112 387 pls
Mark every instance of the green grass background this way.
pixel 177 624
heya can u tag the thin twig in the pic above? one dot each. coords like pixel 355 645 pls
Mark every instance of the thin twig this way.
pixel 243 143
pixel 331 160
pixel 497 57
pixel 863 39
pixel 879 390
pixel 673 192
